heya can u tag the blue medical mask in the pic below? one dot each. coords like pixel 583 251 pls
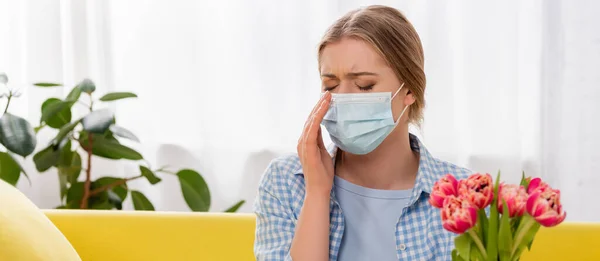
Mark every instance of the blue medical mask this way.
pixel 359 122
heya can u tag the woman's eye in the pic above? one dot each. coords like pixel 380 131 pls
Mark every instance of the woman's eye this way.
pixel 325 89
pixel 365 88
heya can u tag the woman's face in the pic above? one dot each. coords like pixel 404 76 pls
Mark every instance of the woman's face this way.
pixel 352 66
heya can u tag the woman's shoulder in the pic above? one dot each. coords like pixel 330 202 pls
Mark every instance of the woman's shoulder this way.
pixel 444 167
pixel 283 171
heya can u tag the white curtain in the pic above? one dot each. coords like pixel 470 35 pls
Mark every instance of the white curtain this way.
pixel 225 86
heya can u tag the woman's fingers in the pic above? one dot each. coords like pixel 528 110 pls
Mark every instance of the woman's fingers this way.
pixel 307 125
pixel 313 131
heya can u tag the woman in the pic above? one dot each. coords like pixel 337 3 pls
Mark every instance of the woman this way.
pixel 368 201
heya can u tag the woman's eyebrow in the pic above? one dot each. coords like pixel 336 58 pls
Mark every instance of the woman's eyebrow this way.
pixel 352 74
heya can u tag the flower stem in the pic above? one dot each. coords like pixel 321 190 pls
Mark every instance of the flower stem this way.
pixel 521 231
pixel 477 241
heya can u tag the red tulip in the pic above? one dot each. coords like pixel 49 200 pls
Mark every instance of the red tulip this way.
pixel 458 215
pixel 442 188
pixel 515 197
pixel 477 189
pixel 537 184
pixel 544 205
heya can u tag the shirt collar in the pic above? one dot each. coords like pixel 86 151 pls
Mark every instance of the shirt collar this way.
pixel 425 176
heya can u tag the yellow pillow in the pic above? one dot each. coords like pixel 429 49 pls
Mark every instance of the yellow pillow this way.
pixel 26 234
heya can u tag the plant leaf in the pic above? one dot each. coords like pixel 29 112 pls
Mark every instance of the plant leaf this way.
pixel 53 108
pixel 74 94
pixel 10 170
pixel 74 195
pixel 17 135
pixel 235 207
pixel 140 202
pixel 64 131
pixel 59 119
pixel 98 121
pixel 102 205
pixel 463 246
pixel 86 86
pixel 3 78
pixel 505 237
pixel 109 148
pixel 152 178
pixel 120 190
pixel 69 164
pixel 46 158
pixel 21 167
pixel 195 190
pixel 117 96
pixel 46 84
pixel 62 182
pixel 122 132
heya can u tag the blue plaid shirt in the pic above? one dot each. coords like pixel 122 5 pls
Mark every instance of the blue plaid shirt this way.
pixel 419 231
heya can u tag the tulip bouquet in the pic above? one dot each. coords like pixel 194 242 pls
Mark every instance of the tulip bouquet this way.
pixel 507 227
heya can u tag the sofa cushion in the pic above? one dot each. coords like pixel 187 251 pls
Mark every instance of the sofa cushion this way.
pixel 26 233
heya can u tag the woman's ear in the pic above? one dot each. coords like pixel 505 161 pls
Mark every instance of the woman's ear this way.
pixel 409 99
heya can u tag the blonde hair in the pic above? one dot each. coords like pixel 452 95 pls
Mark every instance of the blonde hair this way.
pixel 395 39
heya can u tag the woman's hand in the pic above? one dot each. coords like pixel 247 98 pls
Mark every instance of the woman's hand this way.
pixel 311 237
pixel 317 164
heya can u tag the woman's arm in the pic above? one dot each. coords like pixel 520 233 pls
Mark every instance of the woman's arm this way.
pixel 311 241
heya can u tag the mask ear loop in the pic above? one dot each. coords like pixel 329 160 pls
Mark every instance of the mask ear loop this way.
pixel 405 107
pixel 398 91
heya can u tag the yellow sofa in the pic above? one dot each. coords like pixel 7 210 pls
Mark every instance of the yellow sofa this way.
pixel 120 235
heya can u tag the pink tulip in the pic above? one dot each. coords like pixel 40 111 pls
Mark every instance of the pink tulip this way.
pixel 537 184
pixel 442 188
pixel 544 205
pixel 458 215
pixel 477 189
pixel 515 197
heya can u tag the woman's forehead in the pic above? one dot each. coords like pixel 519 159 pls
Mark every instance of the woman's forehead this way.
pixel 350 55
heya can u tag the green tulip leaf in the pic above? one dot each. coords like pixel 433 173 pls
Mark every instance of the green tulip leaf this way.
pixel 53 108
pixel 235 207
pixel 109 148
pixel 492 239
pixel 46 158
pixel 463 246
pixel 123 133
pixel 86 86
pixel 74 94
pixel 152 178
pixel 10 170
pixel 3 78
pixel 98 121
pixel 46 84
pixel 117 96
pixel 140 202
pixel 194 189
pixel 59 119
pixel 505 237
pixel 17 135
pixel 482 223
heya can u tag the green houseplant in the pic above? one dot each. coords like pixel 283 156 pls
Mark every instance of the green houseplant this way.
pixel 95 135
